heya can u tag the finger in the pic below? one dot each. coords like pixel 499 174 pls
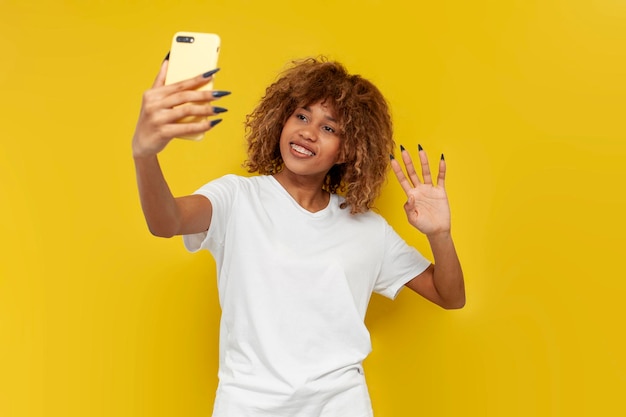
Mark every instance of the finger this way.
pixel 410 203
pixel 441 178
pixel 425 167
pixel 190 83
pixel 408 164
pixel 160 78
pixel 404 182
pixel 185 97
pixel 177 130
pixel 187 110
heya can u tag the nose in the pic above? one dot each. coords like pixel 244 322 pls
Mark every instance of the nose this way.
pixel 309 133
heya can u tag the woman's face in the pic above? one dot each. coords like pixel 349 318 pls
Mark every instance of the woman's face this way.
pixel 310 142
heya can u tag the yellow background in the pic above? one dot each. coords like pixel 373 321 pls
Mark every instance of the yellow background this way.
pixel 525 98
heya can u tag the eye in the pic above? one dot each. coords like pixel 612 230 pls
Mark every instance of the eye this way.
pixel 329 129
pixel 301 116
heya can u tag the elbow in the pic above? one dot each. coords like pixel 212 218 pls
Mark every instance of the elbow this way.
pixel 163 235
pixel 454 305
pixel 455 298
pixel 161 231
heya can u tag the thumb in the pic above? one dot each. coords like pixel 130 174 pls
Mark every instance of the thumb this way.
pixel 160 79
pixel 409 205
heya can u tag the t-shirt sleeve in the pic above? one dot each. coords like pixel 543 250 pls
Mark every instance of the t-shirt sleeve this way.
pixel 222 193
pixel 401 263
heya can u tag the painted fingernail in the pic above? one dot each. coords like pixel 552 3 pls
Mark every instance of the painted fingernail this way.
pixel 218 94
pixel 391 157
pixel 217 110
pixel 167 57
pixel 215 122
pixel 442 158
pixel 209 73
pixel 401 148
pixel 419 147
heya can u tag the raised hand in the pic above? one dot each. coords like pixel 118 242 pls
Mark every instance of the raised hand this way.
pixel 427 207
pixel 161 109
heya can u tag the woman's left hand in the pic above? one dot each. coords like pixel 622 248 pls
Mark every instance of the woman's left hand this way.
pixel 427 207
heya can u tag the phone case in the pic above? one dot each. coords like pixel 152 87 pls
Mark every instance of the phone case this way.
pixel 191 54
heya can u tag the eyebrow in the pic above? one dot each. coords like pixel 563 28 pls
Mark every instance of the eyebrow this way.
pixel 307 108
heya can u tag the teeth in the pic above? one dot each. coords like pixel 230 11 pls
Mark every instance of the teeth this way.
pixel 302 150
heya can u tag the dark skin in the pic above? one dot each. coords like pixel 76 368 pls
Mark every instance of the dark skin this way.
pixel 310 148
pixel 427 209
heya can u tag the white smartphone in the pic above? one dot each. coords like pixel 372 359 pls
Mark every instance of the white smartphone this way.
pixel 191 54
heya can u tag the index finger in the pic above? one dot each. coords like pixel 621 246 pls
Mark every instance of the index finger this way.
pixel 188 84
pixel 402 179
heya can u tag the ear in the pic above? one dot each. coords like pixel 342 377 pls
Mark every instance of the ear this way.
pixel 341 157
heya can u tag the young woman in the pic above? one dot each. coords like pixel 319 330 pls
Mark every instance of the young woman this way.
pixel 298 249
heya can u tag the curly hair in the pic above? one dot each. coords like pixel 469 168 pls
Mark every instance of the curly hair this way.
pixel 364 120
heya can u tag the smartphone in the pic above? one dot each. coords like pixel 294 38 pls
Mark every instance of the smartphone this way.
pixel 191 54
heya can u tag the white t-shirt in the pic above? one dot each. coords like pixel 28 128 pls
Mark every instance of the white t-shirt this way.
pixel 294 288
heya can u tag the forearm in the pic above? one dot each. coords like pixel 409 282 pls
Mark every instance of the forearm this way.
pixel 157 202
pixel 448 274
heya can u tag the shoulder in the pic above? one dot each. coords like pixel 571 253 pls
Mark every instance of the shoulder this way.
pixel 232 182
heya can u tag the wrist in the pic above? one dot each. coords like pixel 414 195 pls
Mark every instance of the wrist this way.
pixel 143 158
pixel 439 236
pixel 140 152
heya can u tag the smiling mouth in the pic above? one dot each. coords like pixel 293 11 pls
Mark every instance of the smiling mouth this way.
pixel 301 149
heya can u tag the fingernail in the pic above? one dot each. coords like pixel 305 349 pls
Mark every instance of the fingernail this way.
pixel 391 157
pixel 442 158
pixel 209 73
pixel 217 110
pixel 218 94
pixel 214 122
pixel 401 148
pixel 419 147
pixel 167 57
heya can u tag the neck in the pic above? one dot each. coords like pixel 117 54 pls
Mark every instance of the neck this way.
pixel 307 192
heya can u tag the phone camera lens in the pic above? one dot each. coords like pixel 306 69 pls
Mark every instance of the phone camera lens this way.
pixel 185 39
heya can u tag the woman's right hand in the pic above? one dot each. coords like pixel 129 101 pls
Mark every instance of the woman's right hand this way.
pixel 161 109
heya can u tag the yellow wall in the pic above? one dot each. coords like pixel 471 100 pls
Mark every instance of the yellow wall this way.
pixel 526 99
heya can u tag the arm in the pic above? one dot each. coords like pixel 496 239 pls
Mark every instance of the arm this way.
pixel 428 211
pixel 165 215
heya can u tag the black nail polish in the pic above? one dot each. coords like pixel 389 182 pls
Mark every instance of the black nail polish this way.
pixel 214 122
pixel 391 157
pixel 401 148
pixel 419 147
pixel 167 57
pixel 218 94
pixel 209 73
pixel 442 158
pixel 217 110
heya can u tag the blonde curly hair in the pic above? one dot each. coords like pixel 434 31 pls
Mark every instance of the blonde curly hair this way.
pixel 364 121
